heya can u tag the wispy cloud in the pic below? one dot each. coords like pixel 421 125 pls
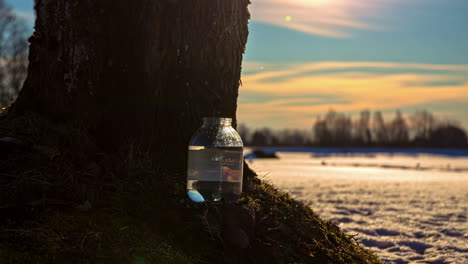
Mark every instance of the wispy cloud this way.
pixel 301 92
pixel 28 16
pixel 329 18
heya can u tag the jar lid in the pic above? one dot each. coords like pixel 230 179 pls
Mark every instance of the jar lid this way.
pixel 217 120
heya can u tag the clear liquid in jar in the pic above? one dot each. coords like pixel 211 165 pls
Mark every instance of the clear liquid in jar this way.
pixel 214 173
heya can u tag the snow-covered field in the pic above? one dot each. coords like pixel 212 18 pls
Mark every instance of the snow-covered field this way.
pixel 407 208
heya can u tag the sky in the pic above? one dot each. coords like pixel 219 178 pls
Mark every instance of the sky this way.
pixel 305 57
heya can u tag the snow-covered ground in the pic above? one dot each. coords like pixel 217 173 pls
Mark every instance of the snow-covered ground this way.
pixel 407 208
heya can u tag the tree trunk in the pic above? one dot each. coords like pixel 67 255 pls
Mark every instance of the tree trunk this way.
pixel 142 71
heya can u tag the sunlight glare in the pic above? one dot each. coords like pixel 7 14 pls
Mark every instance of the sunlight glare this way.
pixel 314 2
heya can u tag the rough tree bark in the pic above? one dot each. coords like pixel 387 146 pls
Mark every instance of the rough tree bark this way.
pixel 144 71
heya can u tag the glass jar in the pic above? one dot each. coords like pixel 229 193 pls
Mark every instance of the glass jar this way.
pixel 215 162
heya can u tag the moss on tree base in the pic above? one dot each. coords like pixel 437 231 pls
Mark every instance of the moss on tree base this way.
pixel 63 201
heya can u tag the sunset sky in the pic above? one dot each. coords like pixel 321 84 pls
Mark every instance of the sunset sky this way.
pixel 305 57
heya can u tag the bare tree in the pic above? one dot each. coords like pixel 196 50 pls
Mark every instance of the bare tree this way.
pixel 448 136
pixel 245 133
pixel 259 138
pixel 292 137
pixel 334 129
pixel 13 54
pixel 321 132
pixel 380 128
pixel 340 127
pixel 398 130
pixel 363 133
pixel 423 123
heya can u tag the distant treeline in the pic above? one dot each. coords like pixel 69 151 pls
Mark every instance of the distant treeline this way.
pixel 421 129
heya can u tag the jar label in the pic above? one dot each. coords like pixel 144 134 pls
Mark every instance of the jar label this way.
pixel 215 164
pixel 232 165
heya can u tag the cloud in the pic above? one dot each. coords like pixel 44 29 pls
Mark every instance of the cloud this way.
pixel 329 18
pixel 304 91
pixel 30 17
